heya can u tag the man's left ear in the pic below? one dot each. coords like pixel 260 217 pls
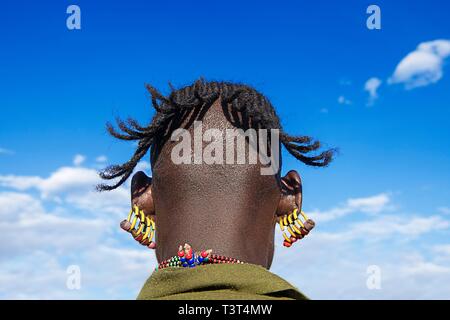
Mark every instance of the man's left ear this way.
pixel 291 193
pixel 141 193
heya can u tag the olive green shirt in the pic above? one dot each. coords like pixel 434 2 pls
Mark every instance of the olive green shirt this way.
pixel 218 282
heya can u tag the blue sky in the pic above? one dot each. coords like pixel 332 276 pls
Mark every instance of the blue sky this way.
pixel 384 201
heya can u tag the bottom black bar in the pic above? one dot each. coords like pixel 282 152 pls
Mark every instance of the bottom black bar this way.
pixel 223 309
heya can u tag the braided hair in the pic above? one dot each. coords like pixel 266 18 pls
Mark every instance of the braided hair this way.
pixel 240 97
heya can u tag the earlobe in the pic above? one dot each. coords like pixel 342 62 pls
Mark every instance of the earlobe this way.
pixel 291 193
pixel 140 222
pixel 141 193
pixel 289 212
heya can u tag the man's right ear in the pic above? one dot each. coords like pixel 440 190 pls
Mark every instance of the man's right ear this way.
pixel 291 194
pixel 141 193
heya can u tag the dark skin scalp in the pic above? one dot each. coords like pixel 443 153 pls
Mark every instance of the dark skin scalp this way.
pixel 231 209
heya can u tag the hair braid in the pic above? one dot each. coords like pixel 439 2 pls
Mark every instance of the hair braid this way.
pixel 241 98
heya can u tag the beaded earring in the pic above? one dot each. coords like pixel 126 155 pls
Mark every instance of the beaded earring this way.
pixel 141 227
pixel 295 227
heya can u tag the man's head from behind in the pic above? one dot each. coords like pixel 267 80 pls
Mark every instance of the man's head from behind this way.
pixel 206 187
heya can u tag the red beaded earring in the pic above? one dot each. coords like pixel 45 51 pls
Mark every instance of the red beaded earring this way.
pixel 141 227
pixel 295 227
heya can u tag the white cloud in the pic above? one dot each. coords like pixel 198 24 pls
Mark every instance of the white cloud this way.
pixel 76 186
pixel 82 228
pixel 20 182
pixel 70 179
pixel 34 228
pixel 333 269
pixel 387 226
pixel 422 66
pixel 343 100
pixel 143 166
pixel 444 210
pixel 333 263
pixel 101 159
pixel 116 202
pixel 39 245
pixel 64 179
pixel 442 249
pixel 14 203
pixel 419 266
pixel 78 159
pixel 372 204
pixel 371 86
pixel 44 237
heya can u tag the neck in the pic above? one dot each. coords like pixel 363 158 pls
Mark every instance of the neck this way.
pixel 239 233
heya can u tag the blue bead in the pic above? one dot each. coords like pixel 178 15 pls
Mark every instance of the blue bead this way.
pixel 191 261
pixel 200 259
pixel 183 259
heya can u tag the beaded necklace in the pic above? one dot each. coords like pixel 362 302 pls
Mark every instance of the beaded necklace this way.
pixel 186 258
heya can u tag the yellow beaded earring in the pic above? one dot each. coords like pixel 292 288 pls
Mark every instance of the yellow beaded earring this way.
pixel 295 227
pixel 141 227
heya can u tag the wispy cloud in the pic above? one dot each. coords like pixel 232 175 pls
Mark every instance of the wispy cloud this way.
pixel 75 186
pixel 343 100
pixel 82 229
pixel 78 159
pixel 101 159
pixel 444 210
pixel 77 230
pixel 6 151
pixel 371 204
pixel 64 179
pixel 345 82
pixel 424 268
pixel 386 226
pixel 442 249
pixel 371 86
pixel 422 66
pixel 335 257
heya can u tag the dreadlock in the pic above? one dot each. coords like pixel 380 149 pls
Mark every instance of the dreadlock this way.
pixel 241 98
